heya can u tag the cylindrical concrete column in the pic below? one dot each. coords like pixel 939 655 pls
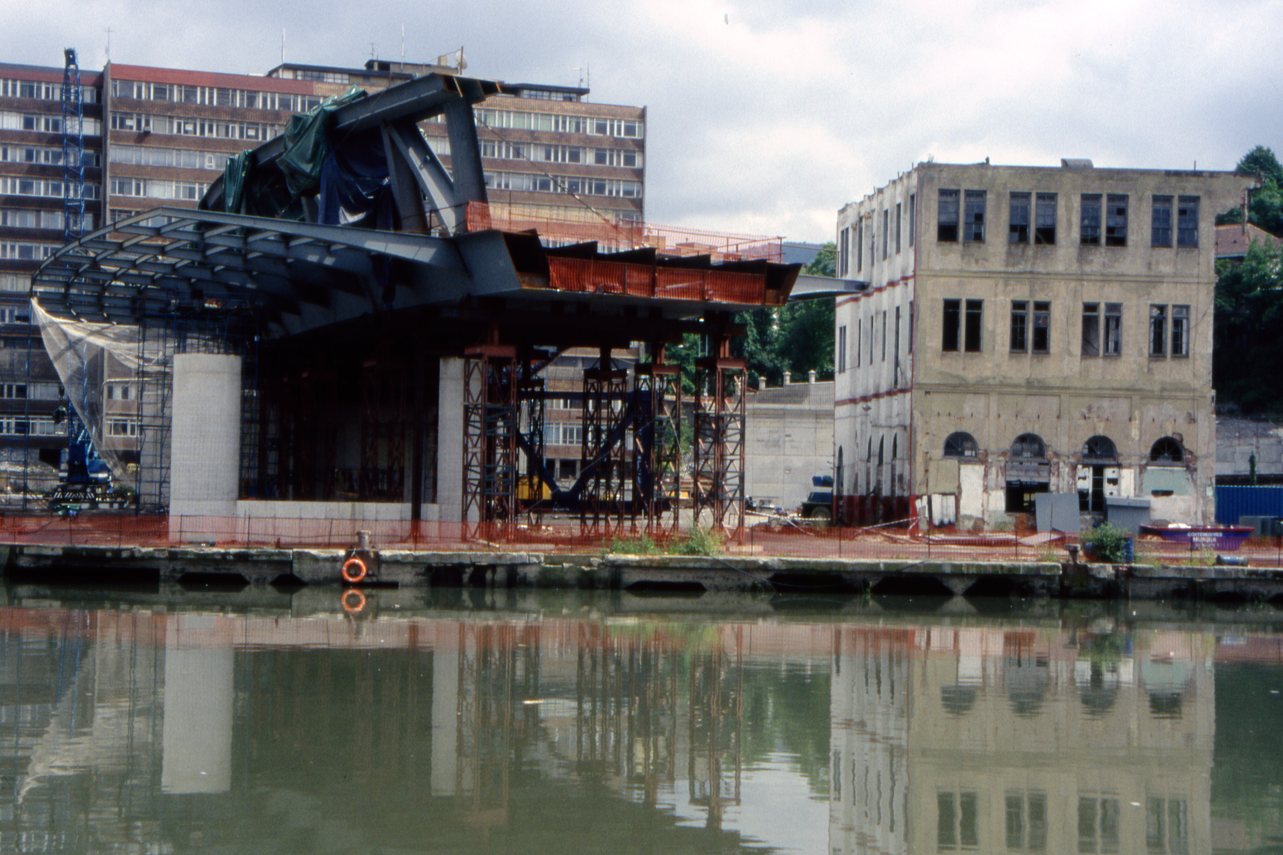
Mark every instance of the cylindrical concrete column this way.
pixel 205 438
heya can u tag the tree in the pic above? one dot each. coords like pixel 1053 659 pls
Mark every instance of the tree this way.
pixel 797 337
pixel 1249 330
pixel 1266 208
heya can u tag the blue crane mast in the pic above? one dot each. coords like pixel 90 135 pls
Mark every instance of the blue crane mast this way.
pixel 86 474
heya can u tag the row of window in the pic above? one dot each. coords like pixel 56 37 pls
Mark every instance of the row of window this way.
pixel 155 188
pixel 872 338
pixel 560 433
pixel 1099 449
pixel 42 90
pixel 25 218
pixel 1030 328
pixel 214 96
pixel 1031 218
pixel 526 121
pixel 47 155
pixel 34 391
pixel 894 234
pixel 49 188
pixel 180 126
pixel 27 250
pixel 522 181
pixel 29 427
pixel 46 123
pixel 173 157
pixel 1099 823
pixel 505 150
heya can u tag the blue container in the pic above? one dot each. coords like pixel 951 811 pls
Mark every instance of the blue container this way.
pixel 1129 550
pixel 1235 502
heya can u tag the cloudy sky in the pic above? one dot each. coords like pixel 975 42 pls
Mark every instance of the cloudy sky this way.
pixel 766 117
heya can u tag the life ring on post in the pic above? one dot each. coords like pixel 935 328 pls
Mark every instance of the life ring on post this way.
pixel 353 601
pixel 354 570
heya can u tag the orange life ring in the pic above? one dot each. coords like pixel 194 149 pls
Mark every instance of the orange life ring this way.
pixel 354 570
pixel 353 601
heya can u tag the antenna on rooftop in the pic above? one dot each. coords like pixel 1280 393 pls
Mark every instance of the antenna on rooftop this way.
pixel 109 44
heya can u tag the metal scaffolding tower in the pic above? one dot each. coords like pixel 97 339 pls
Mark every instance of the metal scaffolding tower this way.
pixel 601 509
pixel 490 431
pixel 657 453
pixel 719 441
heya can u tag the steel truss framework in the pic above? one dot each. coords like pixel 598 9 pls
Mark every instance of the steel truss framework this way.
pixel 531 402
pixel 719 442
pixel 490 428
pixel 601 508
pixel 657 453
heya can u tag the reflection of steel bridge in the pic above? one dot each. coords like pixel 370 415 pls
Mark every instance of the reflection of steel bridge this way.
pixel 348 267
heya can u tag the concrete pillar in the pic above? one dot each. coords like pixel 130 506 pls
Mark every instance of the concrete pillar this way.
pixel 196 735
pixel 450 439
pixel 445 712
pixel 788 378
pixel 205 443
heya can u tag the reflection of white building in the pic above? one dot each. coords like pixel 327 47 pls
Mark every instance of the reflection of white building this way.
pixel 869 715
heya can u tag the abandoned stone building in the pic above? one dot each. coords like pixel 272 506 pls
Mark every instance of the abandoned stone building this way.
pixel 1026 330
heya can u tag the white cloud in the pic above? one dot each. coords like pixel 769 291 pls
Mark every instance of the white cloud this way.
pixel 766 117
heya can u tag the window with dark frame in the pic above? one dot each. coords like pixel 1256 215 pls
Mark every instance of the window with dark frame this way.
pixel 1157 329
pixel 947 216
pixel 1116 219
pixel 910 343
pixel 842 349
pixel 961 444
pixel 1018 218
pixel 895 350
pixel 1180 331
pixel 884 335
pixel 1019 326
pixel 1113 329
pixel 913 217
pixel 973 325
pixel 952 325
pixel 858 328
pixel 1187 221
pixel 1042 327
pixel 1089 219
pixel 886 231
pixel 1091 329
pixel 1045 219
pixel 859 245
pixel 1160 229
pixel 973 202
pixel 899 225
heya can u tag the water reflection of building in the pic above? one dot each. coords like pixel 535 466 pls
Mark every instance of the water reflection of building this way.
pixel 1022 741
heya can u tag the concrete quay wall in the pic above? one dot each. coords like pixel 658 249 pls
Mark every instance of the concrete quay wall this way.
pixel 638 574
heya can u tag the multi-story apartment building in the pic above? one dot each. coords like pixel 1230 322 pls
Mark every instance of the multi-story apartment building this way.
pixel 160 136
pixel 1025 330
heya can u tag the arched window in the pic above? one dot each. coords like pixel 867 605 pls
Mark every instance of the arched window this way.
pixel 960 444
pixel 1167 450
pixel 1100 448
pixel 895 446
pixel 1029 446
pixel 882 444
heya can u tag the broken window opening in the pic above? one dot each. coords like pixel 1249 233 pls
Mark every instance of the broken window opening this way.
pixel 886 231
pixel 1100 449
pixel 947 216
pixel 974 205
pixel 1167 450
pixel 1091 329
pixel 1089 231
pixel 961 444
pixel 899 225
pixel 952 322
pixel 1116 220
pixel 1157 330
pixel 1045 220
pixel 1019 326
pixel 1113 329
pixel 913 215
pixel 1018 219
pixel 1029 446
pixel 1187 221
pixel 1042 327
pixel 1180 330
pixel 975 316
pixel 1160 233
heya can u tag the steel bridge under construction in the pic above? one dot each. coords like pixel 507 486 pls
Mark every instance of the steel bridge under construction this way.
pixel 347 326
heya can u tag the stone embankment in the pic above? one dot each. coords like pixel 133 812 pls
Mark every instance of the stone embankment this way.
pixel 635 573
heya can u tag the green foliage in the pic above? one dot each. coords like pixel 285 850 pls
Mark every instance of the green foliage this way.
pixel 798 337
pixel 699 542
pixel 1249 330
pixel 1266 209
pixel 633 546
pixel 1106 543
pixel 1261 163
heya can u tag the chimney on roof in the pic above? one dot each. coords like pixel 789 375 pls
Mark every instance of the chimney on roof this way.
pixel 1076 163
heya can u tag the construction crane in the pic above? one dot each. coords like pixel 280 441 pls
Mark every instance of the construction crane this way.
pixel 86 479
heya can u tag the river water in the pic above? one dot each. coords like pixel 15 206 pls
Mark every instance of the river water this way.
pixel 269 722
